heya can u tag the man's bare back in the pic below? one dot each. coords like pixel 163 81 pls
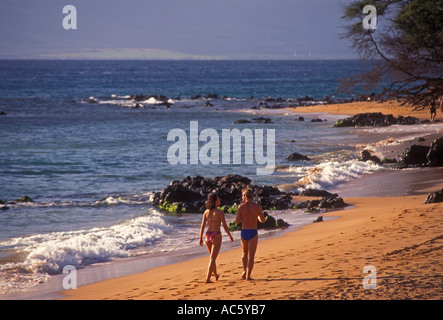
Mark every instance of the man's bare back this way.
pixel 248 213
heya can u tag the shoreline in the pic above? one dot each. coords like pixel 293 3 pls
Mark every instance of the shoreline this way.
pixel 307 263
pixel 104 271
pixel 318 261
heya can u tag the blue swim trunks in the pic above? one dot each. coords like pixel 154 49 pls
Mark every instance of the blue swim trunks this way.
pixel 248 234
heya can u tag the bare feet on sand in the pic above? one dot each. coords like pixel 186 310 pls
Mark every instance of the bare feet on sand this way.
pixel 243 276
pixel 216 279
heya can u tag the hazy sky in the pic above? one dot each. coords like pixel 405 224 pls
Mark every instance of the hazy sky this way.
pixel 221 28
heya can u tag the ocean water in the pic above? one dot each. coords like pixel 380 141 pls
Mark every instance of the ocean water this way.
pixel 91 168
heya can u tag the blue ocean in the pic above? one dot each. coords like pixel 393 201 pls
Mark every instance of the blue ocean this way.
pixel 89 154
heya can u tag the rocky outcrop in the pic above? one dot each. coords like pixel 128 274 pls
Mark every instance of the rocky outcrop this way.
pixel 375 119
pixel 297 157
pixel 241 121
pixel 434 197
pixel 319 219
pixel 261 120
pixel 415 155
pixel 190 194
pixel 4 203
pixel 422 155
pixel 332 203
pixel 24 199
pixel 317 193
pixel 329 202
pixel 404 121
pixel 254 120
pixel 270 223
pixel 366 156
pixel 435 153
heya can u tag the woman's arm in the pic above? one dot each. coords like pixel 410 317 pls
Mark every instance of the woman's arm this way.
pixel 202 228
pixel 225 226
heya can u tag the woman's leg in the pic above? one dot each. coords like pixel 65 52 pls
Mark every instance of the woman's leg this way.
pixel 214 249
pixel 210 246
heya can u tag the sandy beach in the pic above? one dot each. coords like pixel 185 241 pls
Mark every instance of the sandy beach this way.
pixel 400 236
pixel 389 107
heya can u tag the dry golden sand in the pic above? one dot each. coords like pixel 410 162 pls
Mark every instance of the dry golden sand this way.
pixel 390 107
pixel 400 236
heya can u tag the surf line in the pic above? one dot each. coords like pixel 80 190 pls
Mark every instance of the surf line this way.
pixel 218 149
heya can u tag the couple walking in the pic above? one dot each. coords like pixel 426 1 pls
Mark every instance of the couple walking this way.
pixel 248 213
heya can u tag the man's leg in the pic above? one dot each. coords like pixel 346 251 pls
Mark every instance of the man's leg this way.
pixel 252 248
pixel 245 251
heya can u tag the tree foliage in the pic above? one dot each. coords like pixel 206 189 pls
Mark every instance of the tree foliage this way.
pixel 405 50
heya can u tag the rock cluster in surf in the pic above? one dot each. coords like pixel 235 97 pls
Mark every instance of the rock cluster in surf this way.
pixel 190 194
pixel 375 119
pixel 423 156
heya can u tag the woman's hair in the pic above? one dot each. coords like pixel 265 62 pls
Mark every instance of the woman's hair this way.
pixel 212 199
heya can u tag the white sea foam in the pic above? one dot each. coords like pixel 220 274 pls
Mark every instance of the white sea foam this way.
pixel 151 100
pixel 115 200
pixel 328 175
pixel 138 199
pixel 396 135
pixel 47 254
pixel 125 101
pixel 115 96
pixel 122 103
pixel 409 131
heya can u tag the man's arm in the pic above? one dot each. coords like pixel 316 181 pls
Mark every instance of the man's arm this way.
pixel 238 219
pixel 261 216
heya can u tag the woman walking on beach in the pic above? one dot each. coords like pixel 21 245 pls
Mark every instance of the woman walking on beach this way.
pixel 213 238
pixel 432 110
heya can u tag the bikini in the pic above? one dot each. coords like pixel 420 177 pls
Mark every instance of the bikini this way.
pixel 248 234
pixel 210 235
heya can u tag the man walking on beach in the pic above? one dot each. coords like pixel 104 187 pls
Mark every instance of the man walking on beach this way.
pixel 248 213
